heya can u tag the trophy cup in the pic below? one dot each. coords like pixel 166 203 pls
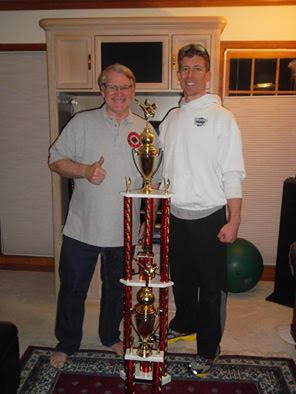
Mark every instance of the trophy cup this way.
pixel 145 324
pixel 147 164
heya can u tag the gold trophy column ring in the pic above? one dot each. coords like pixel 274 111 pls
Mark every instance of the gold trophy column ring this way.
pixel 147 152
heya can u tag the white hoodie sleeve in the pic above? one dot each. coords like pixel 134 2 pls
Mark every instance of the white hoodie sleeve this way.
pixel 231 159
pixel 232 184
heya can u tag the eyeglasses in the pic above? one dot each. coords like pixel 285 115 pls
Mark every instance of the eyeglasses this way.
pixel 114 88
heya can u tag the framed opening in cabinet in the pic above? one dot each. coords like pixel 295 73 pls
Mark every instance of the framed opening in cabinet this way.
pixel 146 56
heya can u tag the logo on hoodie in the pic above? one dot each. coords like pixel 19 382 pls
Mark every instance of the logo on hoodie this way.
pixel 199 122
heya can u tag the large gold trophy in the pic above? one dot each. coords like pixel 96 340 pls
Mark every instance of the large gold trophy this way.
pixel 147 154
pixel 145 358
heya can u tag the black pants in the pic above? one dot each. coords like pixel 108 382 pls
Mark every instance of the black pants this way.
pixel 77 264
pixel 198 265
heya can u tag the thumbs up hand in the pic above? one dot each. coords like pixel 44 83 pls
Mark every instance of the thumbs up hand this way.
pixel 95 173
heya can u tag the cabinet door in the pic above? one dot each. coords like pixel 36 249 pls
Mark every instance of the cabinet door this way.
pixel 74 62
pixel 178 41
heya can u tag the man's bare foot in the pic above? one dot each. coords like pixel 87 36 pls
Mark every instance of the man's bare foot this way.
pixel 118 348
pixel 58 359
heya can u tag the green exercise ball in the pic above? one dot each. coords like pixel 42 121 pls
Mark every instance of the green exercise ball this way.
pixel 244 265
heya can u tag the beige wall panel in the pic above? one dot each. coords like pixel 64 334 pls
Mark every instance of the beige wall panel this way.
pixel 25 182
pixel 268 126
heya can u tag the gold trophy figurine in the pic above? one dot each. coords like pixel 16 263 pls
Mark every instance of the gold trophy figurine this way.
pixel 147 152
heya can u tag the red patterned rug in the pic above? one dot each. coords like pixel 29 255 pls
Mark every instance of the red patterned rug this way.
pixel 77 384
pixel 97 372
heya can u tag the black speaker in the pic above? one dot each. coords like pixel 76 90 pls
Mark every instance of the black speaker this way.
pixel 284 285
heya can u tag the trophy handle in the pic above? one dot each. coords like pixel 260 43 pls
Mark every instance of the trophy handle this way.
pixel 160 155
pixel 135 152
pixel 157 325
pixel 134 327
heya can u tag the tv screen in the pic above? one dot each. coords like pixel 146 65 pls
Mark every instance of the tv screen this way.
pixel 143 58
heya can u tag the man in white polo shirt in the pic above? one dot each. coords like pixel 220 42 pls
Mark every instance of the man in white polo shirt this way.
pixel 95 150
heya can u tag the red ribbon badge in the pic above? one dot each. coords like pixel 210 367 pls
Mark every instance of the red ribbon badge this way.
pixel 134 140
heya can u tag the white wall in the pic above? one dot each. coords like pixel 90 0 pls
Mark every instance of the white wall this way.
pixel 270 23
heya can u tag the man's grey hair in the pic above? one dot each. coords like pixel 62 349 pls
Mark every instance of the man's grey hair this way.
pixel 119 68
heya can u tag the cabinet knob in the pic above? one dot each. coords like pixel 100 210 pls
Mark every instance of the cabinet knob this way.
pixel 174 61
pixel 89 62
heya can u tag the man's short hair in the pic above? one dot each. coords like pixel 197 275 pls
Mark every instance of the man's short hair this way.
pixel 119 68
pixel 191 50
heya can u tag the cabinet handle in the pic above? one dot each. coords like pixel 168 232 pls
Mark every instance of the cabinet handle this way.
pixel 89 62
pixel 174 62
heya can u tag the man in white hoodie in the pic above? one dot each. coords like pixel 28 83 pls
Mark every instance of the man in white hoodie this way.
pixel 204 162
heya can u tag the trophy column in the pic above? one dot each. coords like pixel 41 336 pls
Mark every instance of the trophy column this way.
pixel 128 257
pixel 164 278
pixel 146 357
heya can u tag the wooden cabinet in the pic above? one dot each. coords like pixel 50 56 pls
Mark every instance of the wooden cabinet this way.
pixel 80 59
pixel 76 56
pixel 74 63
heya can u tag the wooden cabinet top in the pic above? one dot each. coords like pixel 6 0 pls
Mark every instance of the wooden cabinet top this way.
pixel 113 25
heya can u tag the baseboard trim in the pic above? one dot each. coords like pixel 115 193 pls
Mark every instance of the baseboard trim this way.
pixel 46 264
pixel 26 263
pixel 268 273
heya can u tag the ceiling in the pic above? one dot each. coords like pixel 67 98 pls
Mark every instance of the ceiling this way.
pixel 6 5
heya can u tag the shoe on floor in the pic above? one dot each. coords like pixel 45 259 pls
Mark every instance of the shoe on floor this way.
pixel 201 366
pixel 174 336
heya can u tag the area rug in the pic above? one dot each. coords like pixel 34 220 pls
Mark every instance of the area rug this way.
pixel 97 372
